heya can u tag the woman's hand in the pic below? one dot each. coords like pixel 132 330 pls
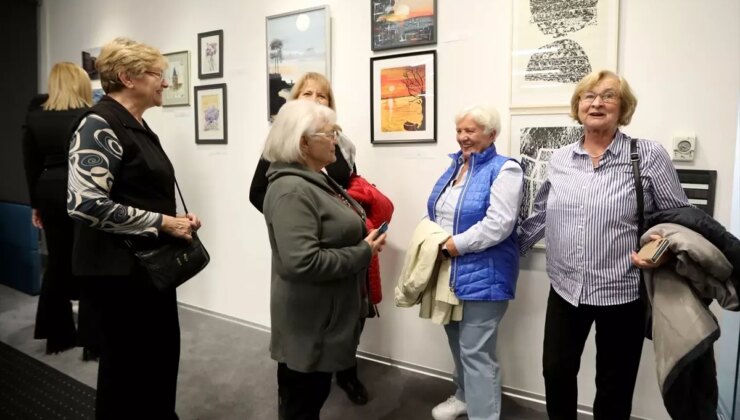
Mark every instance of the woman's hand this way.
pixel 194 220
pixel 647 265
pixel 376 242
pixel 180 226
pixel 36 219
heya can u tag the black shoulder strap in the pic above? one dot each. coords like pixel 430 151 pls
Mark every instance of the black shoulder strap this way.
pixel 635 159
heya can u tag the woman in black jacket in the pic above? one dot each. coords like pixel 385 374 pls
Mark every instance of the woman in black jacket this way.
pixel 122 189
pixel 49 125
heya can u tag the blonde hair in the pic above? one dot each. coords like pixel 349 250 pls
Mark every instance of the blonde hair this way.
pixel 69 88
pixel 322 82
pixel 127 56
pixel 294 120
pixel 627 99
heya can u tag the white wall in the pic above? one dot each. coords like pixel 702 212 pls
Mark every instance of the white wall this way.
pixel 680 56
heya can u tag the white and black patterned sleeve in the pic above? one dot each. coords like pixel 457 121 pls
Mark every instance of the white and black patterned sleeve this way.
pixel 94 161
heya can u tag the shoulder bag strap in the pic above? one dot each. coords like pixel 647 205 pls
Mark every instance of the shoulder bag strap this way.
pixel 635 159
pixel 185 207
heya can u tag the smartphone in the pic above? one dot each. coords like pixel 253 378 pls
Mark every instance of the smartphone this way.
pixel 382 228
pixel 653 250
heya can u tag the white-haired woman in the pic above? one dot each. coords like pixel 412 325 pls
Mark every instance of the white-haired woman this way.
pixel 477 201
pixel 320 253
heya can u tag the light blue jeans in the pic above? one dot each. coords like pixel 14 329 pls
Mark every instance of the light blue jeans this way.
pixel 473 344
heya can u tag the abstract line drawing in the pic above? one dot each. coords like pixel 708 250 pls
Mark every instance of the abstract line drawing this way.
pixel 562 61
pixel 535 138
pixel 559 18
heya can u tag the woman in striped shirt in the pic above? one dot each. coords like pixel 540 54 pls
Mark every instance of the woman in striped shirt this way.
pixel 587 212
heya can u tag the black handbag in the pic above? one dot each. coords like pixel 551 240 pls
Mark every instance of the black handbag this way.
pixel 176 262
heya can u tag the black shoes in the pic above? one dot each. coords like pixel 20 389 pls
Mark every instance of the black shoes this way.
pixel 356 391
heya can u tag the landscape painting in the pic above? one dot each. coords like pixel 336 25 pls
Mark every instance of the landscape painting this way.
pixel 296 43
pixel 403 100
pixel 403 23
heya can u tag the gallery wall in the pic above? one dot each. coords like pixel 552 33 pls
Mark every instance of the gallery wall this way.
pixel 680 56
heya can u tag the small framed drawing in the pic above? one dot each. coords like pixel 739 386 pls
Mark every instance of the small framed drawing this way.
pixel 555 44
pixel 296 43
pixel 534 139
pixel 403 98
pixel 403 24
pixel 89 56
pixel 177 76
pixel 211 54
pixel 210 114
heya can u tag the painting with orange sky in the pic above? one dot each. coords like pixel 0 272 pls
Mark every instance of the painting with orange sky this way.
pixel 403 23
pixel 403 102
pixel 402 91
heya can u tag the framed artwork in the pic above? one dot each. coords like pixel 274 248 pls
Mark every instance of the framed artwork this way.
pixel 210 114
pixel 534 138
pixel 403 24
pixel 89 56
pixel 555 44
pixel 296 42
pixel 403 98
pixel 211 54
pixel 177 75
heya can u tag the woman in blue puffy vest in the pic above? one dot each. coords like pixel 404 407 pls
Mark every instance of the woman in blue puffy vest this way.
pixel 477 201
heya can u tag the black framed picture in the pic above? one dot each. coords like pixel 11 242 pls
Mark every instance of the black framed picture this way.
pixel 211 54
pixel 210 114
pixel 403 100
pixel 403 24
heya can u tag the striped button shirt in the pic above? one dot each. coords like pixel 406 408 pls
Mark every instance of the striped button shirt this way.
pixel 589 218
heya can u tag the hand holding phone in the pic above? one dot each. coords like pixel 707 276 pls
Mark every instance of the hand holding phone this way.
pixel 653 250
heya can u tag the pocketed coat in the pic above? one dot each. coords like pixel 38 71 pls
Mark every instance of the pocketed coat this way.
pixel 319 263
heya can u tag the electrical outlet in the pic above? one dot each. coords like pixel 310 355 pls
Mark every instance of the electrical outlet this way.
pixel 684 146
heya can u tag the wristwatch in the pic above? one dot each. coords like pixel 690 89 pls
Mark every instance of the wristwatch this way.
pixel 446 253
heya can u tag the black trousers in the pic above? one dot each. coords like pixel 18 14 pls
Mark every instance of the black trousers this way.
pixel 140 352
pixel 54 318
pixel 619 338
pixel 301 395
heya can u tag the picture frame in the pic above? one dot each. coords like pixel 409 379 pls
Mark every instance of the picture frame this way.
pixel 89 56
pixel 402 24
pixel 211 54
pixel 403 99
pixel 555 44
pixel 534 138
pixel 211 123
pixel 177 75
pixel 296 42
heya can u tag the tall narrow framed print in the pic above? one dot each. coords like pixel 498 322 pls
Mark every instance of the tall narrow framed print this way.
pixel 211 54
pixel 177 76
pixel 399 24
pixel 534 139
pixel 403 98
pixel 210 114
pixel 296 43
pixel 555 44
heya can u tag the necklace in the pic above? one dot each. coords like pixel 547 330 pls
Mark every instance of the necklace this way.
pixel 597 156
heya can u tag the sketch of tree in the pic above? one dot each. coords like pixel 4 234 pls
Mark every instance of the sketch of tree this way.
pixel 276 53
pixel 414 78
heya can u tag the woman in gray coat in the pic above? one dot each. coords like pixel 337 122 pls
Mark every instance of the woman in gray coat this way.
pixel 320 252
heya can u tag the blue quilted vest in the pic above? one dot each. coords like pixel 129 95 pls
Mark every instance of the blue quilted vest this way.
pixel 491 274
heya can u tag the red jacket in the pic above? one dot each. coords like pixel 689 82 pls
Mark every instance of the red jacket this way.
pixel 378 209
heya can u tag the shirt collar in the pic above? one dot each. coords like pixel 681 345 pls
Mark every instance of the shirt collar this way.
pixel 616 147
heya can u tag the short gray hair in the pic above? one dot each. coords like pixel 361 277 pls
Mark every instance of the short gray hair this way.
pixel 485 116
pixel 294 120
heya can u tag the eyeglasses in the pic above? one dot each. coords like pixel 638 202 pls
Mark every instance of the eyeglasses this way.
pixel 608 97
pixel 157 74
pixel 330 135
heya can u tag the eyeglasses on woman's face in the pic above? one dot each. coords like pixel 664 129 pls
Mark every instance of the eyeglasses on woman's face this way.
pixel 607 97
pixel 158 74
pixel 331 135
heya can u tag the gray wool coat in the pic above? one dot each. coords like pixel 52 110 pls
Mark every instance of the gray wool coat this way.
pixel 319 263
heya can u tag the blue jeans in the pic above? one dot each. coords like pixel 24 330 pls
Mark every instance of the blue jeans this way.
pixel 473 344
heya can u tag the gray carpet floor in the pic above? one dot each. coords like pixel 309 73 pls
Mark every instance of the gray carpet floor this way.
pixel 226 372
